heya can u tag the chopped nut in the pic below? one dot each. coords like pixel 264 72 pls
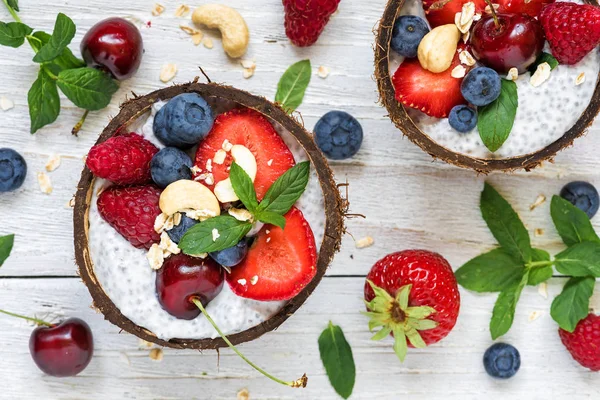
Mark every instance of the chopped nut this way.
pixel 208 43
pixel 268 232
pixel 182 10
pixel 44 182
pixel 197 38
pixel 466 36
pixel 488 10
pixel 167 245
pixel 155 257
pixel 543 289
pixel 200 215
pixel 534 315
pixel 210 179
pixel 541 199
pixel 156 354
pixel 201 255
pixel 254 280
pixel 464 19
pixel 268 239
pixel 466 58
pixel 323 72
pixel 248 73
pixel 209 165
pixel 240 214
pixel 476 17
pixel 226 145
pixel 242 282
pixel 158 9
pixel 538 232
pixel 513 74
pixel 364 242
pixel 243 395
pixel 53 162
pixel 541 75
pixel 248 64
pixel 219 157
pixel 159 222
pixel 215 234
pixel 6 104
pixel 168 72
pixel 580 79
pixel 459 72
pixel 270 162
pixel 189 30
pixel 195 170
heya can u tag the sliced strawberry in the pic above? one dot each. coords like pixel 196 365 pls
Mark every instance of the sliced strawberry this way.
pixel 443 12
pixel 279 264
pixel 530 7
pixel 251 129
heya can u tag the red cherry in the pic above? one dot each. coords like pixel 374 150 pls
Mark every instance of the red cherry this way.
pixel 64 349
pixel 513 40
pixel 182 278
pixel 113 44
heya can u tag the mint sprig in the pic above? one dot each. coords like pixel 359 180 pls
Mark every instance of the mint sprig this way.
pixel 292 85
pixel 13 34
pixel 63 33
pixel 6 245
pixel 495 121
pixel 214 234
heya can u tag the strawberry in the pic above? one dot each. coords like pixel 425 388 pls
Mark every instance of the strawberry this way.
pixel 123 159
pixel 412 294
pixel 443 12
pixel 584 342
pixel 306 19
pixel 132 211
pixel 572 30
pixel 251 129
pixel 434 94
pixel 279 264
pixel 529 7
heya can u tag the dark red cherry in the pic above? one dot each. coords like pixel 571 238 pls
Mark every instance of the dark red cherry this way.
pixel 183 277
pixel 115 45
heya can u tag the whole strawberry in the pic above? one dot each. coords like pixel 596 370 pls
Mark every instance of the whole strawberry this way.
pixel 123 159
pixel 573 30
pixel 306 19
pixel 132 211
pixel 584 342
pixel 412 295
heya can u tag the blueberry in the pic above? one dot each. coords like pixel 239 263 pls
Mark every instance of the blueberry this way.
pixel 184 121
pixel 582 195
pixel 231 256
pixel 481 86
pixel 13 170
pixel 407 34
pixel 170 165
pixel 338 135
pixel 502 361
pixel 177 232
pixel 463 118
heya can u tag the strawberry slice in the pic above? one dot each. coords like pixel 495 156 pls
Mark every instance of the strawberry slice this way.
pixel 279 264
pixel 530 7
pixel 251 129
pixel 443 12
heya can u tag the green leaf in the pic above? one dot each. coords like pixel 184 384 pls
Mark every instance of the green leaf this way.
pixel 243 187
pixel 199 238
pixel 64 61
pixel 494 271
pixel 293 84
pixel 13 34
pixel 64 31
pixel 505 224
pixel 87 88
pixel 338 361
pixel 542 58
pixel 43 100
pixel 572 224
pixel 581 259
pixel 505 307
pixel 6 245
pixel 538 275
pixel 496 120
pixel 14 4
pixel 271 218
pixel 573 304
pixel 286 190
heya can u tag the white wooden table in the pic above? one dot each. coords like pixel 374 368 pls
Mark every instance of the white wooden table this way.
pixel 409 201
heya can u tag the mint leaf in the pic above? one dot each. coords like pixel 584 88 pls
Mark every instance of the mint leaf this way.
pixel 542 58
pixel 292 85
pixel 573 304
pixel 243 187
pixel 496 120
pixel 13 34
pixel 6 245
pixel 494 271
pixel 43 100
pixel 572 224
pixel 87 88
pixel 14 4
pixel 271 218
pixel 505 307
pixel 505 224
pixel 286 190
pixel 581 259
pixel 64 31
pixel 338 361
pixel 538 275
pixel 199 238
pixel 66 60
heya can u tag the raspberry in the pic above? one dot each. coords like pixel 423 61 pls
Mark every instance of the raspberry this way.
pixel 132 211
pixel 584 342
pixel 306 19
pixel 123 159
pixel 572 30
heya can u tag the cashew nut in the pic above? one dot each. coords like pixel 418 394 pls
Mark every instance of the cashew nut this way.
pixel 229 22
pixel 245 159
pixel 438 48
pixel 187 195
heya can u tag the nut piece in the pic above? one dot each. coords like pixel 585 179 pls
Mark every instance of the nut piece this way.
pixel 197 38
pixel 229 22
pixel 513 74
pixel 240 214
pixel 437 49
pixel 243 394
pixel 182 10
pixel 6 104
pixel 364 242
pixel 245 159
pixel 459 72
pixel 466 58
pixel 158 9
pixel 208 43
pixel 464 19
pixel 185 195
pixel 541 74
pixel 541 199
pixel 168 72
pixel 44 182
pixel 323 72
pixel 53 162
pixel 156 354
pixel 580 79
pixel 155 257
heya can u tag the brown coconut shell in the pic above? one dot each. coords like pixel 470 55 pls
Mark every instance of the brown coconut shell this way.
pixel 334 211
pixel 399 116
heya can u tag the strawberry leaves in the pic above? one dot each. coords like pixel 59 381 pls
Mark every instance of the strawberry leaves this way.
pixel 338 360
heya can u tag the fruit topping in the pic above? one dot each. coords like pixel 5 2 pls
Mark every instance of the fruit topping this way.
pixel 437 50
pixel 184 121
pixel 481 86
pixel 245 159
pixel 583 343
pixel 443 12
pixel 279 264
pixel 408 32
pixel 231 256
pixel 529 7
pixel 132 211
pixel 13 170
pixel 502 361
pixel 305 20
pixel 582 195
pixel 123 159
pixel 463 118
pixel 177 232
pixel 190 197
pixel 170 165
pixel 339 135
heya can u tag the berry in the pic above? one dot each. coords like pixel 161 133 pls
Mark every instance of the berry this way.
pixel 64 349
pixel 443 12
pixel 501 360
pixel 338 135
pixel 170 165
pixel 184 121
pixel 306 19
pixel 132 211
pixel 463 118
pixel 582 195
pixel 481 86
pixel 584 342
pixel 279 264
pixel 182 278
pixel 13 170
pixel 573 30
pixel 251 129
pixel 231 256
pixel 413 279
pixel 123 159
pixel 529 7
pixel 177 232
pixel 408 32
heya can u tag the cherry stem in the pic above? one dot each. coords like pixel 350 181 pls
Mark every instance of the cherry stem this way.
pixel 79 124
pixel 295 384
pixel 37 321
pixel 494 15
